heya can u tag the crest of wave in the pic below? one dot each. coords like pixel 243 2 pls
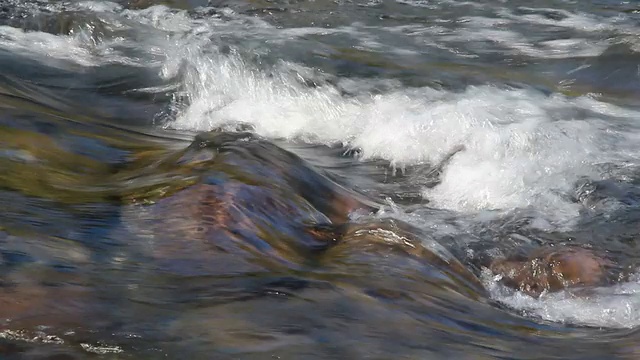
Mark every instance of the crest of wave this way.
pixel 524 149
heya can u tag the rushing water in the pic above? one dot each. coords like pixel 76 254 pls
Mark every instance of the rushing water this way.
pixel 101 234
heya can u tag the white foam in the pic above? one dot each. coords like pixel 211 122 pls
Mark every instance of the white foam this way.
pixel 523 149
pixel 577 21
pixel 612 307
pixel 99 6
pixel 509 33
pixel 80 47
pixel 419 3
pixel 86 46
pixel 101 349
pixel 56 47
pixel 36 337
pixel 501 32
pixel 435 5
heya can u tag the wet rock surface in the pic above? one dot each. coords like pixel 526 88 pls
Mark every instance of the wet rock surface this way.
pixel 252 199
pixel 553 269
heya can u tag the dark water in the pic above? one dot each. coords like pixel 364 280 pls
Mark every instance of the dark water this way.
pixel 121 237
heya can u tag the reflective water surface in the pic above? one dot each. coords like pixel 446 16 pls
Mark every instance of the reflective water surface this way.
pixel 314 179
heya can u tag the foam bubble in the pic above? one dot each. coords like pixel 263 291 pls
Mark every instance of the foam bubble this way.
pixel 613 307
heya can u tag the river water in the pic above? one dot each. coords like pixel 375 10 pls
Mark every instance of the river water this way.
pixel 95 96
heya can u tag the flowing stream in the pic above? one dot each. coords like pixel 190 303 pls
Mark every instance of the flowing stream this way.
pixel 487 126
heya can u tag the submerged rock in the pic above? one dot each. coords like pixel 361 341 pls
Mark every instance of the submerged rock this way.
pixel 401 244
pixel 248 198
pixel 550 269
pixel 254 207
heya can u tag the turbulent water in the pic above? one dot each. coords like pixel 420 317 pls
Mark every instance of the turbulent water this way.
pixel 97 98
